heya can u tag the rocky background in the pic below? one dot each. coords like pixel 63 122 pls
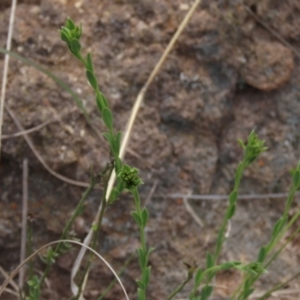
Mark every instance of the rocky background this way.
pixel 227 75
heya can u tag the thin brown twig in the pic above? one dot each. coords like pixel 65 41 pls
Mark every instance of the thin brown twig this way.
pixel 272 31
pixel 6 63
pixel 24 220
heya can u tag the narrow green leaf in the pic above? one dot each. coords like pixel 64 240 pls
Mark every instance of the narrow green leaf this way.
pixel 241 143
pixel 247 293
pixel 118 165
pixel 198 277
pixel 142 257
pixel 229 265
pixel 247 284
pixel 147 275
pixel 120 186
pixel 115 147
pixel 104 100
pixel 107 137
pixel 141 294
pixel 107 117
pixel 113 196
pixel 79 31
pixel 209 261
pixel 89 63
pixel 70 24
pixel 118 141
pixel 296 179
pixel 150 250
pixel 140 284
pixel 233 197
pixel 206 292
pixel 145 216
pixel 64 36
pixel 137 218
pixel 92 80
pixel 220 238
pixel 262 254
pixel 75 46
pixel 238 172
pixel 99 101
pixel 230 212
pixel 278 227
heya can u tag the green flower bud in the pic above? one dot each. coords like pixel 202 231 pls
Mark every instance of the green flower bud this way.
pixel 130 177
pixel 255 268
pixel 70 33
pixel 253 148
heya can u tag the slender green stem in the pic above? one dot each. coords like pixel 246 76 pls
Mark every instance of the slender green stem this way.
pixel 286 228
pixel 289 201
pixel 80 57
pixel 283 246
pixel 137 202
pixel 222 231
pixel 144 265
pixel 278 286
pixel 275 240
pixel 113 282
pixel 179 288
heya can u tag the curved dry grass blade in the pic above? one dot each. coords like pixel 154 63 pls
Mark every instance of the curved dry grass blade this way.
pixel 33 129
pixel 39 157
pixel 129 127
pixel 38 127
pixel 158 66
pixel 15 272
pixel 6 63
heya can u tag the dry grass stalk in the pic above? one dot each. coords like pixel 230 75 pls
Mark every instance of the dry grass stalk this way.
pixel 6 63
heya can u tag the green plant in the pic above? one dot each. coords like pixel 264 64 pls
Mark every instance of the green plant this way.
pixel 128 179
